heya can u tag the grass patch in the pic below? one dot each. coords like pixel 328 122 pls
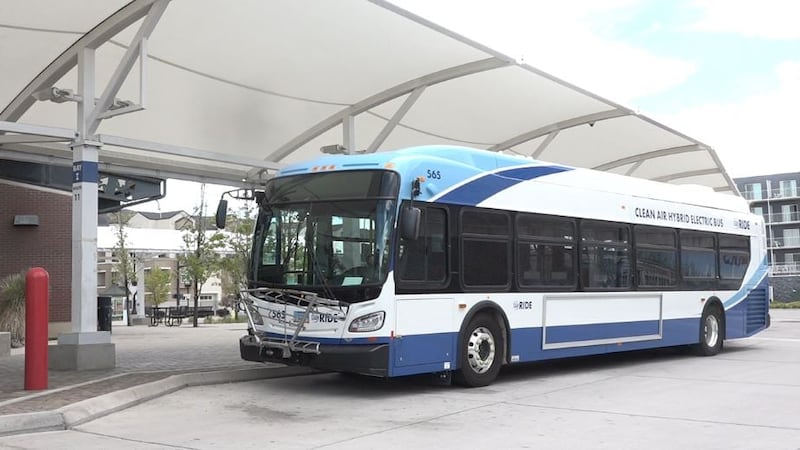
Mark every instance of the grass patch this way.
pixel 785 305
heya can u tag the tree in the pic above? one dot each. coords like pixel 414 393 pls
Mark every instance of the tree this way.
pixel 126 271
pixel 201 258
pixel 157 282
pixel 239 242
pixel 12 307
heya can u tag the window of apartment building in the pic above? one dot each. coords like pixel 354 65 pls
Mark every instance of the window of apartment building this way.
pixel 789 213
pixel 101 278
pixel 791 237
pixel 752 191
pixel 788 188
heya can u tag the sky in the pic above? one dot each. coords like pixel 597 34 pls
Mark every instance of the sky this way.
pixel 725 72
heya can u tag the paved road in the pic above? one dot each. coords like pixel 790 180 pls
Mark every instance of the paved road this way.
pixel 141 350
pixel 746 398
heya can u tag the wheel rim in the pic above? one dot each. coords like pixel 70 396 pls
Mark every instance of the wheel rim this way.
pixel 711 330
pixel 480 350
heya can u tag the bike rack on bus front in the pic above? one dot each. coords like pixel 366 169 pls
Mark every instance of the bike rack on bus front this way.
pixel 309 302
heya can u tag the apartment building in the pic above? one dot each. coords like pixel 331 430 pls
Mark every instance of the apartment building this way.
pixel 777 198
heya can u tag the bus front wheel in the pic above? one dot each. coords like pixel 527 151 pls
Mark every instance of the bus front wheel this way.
pixel 711 332
pixel 481 349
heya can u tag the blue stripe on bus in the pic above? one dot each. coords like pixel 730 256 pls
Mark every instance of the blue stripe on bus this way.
pixel 526 343
pixel 756 280
pixel 478 190
pixel 588 332
pixel 430 352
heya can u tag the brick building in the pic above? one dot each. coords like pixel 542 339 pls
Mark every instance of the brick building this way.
pixel 36 231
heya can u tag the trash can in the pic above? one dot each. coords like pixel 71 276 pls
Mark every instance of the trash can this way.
pixel 104 312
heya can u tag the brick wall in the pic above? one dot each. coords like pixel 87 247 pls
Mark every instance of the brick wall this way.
pixel 48 245
pixel 785 289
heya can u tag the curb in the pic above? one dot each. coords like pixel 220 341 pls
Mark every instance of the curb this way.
pixel 87 410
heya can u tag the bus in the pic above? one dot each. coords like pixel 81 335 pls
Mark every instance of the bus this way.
pixel 455 261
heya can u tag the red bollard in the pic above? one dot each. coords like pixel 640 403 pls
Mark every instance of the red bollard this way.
pixel 37 305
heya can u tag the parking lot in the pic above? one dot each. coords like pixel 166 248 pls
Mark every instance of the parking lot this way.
pixel 747 397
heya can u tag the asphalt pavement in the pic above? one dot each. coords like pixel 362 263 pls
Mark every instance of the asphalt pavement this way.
pixel 150 361
pixel 153 362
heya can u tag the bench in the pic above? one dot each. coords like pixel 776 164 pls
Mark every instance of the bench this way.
pixel 155 314
pixel 174 315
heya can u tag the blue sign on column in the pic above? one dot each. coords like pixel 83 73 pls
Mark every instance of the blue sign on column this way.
pixel 84 172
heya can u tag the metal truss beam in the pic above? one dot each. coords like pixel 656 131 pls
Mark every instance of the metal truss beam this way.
pixel 37 130
pixel 559 126
pixel 545 143
pixel 27 139
pixel 134 52
pixel 100 34
pixel 129 164
pixel 187 152
pixel 641 157
pixel 383 97
pixel 687 174
pixel 396 118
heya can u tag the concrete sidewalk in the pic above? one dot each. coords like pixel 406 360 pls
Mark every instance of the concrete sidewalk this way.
pixel 150 361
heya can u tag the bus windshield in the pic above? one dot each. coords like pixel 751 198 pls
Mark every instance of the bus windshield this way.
pixel 325 230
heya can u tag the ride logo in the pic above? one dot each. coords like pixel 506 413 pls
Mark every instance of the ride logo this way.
pixel 523 304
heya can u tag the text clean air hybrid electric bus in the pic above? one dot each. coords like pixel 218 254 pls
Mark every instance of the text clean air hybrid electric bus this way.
pixel 452 260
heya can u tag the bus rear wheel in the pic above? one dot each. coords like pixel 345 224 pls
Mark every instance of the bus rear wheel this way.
pixel 481 350
pixel 711 332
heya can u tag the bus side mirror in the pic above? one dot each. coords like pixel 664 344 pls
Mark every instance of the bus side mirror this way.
pixel 222 213
pixel 409 223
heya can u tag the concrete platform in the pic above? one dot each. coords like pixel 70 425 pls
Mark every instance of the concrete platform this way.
pixel 151 361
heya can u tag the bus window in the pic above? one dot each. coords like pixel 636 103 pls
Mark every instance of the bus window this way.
pixel 485 236
pixel 605 256
pixel 545 251
pixel 656 256
pixel 734 257
pixel 425 259
pixel 698 260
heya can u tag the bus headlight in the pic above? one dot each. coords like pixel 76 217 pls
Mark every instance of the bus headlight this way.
pixel 257 319
pixel 370 322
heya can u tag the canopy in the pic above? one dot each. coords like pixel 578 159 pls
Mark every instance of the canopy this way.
pixel 226 92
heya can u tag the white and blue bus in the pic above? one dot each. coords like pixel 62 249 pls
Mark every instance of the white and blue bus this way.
pixel 445 260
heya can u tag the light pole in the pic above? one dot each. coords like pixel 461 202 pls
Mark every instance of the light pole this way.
pixel 770 232
pixel 177 281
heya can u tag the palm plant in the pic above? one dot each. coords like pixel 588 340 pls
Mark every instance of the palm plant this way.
pixel 12 307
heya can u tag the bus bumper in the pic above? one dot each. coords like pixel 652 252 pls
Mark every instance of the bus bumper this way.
pixel 370 359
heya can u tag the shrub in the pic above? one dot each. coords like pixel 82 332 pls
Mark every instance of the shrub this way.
pixel 12 307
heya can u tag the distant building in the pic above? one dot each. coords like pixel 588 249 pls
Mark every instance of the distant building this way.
pixel 155 240
pixel 777 198
pixel 172 220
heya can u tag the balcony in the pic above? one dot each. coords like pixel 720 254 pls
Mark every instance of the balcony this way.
pixel 781 217
pixel 784 242
pixel 753 195
pixel 784 193
pixel 774 194
pixel 783 269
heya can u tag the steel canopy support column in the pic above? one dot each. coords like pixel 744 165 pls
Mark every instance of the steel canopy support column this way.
pixel 349 134
pixel 84 237
pixel 84 348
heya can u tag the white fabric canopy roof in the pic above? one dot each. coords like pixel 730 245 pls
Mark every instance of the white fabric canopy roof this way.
pixel 235 89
